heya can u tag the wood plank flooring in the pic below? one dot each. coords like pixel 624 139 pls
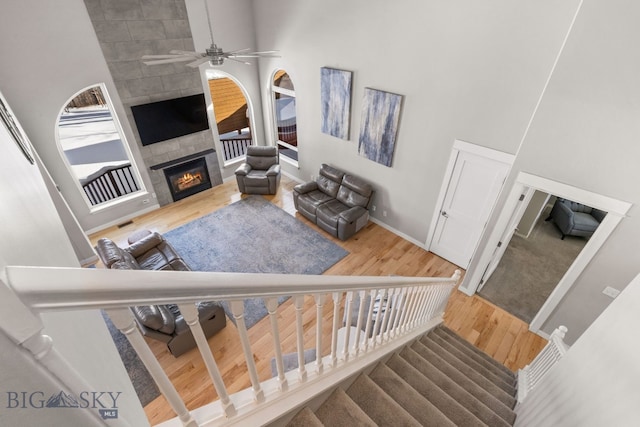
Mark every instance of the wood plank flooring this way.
pixel 374 251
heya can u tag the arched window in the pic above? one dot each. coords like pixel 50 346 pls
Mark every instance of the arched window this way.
pixel 284 115
pixel 233 114
pixel 94 149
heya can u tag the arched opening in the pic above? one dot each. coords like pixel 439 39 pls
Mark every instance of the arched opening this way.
pixel 94 149
pixel 233 114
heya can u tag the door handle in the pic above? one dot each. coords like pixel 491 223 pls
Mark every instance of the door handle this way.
pixel 444 214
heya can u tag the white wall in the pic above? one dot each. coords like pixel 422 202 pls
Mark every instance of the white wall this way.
pixel 32 234
pixel 585 134
pixel 595 384
pixel 49 52
pixel 468 70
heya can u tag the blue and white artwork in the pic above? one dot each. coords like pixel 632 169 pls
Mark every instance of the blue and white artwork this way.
pixel 379 126
pixel 335 88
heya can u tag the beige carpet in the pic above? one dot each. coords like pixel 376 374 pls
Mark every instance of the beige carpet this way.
pixel 531 268
pixel 438 380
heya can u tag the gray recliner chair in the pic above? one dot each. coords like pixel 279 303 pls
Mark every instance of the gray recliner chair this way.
pixel 575 219
pixel 260 173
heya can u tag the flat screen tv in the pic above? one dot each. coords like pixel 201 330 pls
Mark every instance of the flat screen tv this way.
pixel 163 120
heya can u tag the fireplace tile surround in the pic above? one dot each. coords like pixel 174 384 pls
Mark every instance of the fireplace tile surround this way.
pixel 128 29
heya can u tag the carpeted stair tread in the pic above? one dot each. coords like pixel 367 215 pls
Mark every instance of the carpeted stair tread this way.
pixel 407 397
pixel 473 351
pixel 475 406
pixel 305 418
pixel 339 410
pixel 472 359
pixel 455 353
pixel 483 389
pixel 453 410
pixel 378 405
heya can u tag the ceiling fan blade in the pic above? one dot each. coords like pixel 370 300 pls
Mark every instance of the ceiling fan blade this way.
pixel 266 52
pixel 197 62
pixel 168 61
pixel 186 52
pixel 238 51
pixel 233 58
pixel 158 56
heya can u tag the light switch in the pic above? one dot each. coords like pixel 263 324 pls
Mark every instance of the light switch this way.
pixel 611 292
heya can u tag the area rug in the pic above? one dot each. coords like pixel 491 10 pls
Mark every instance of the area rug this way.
pixel 253 236
pixel 143 384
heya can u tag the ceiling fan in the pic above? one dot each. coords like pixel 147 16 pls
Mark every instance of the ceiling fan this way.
pixel 214 54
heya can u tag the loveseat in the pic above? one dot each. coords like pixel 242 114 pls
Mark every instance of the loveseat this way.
pixel 336 201
pixel 150 251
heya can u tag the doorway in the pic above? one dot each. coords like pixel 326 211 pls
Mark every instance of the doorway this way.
pixel 535 258
pixel 513 210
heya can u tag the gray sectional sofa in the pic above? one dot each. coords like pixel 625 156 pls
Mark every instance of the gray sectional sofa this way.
pixel 336 201
pixel 164 322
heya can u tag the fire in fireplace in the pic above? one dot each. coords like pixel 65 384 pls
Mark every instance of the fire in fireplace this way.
pixel 188 178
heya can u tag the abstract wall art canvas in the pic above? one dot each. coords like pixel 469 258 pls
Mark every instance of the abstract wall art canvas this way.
pixel 335 88
pixel 379 125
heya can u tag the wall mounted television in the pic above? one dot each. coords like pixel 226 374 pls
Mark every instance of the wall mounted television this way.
pixel 163 120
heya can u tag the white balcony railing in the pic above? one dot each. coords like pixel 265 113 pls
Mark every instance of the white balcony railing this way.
pixel 400 309
pixel 530 375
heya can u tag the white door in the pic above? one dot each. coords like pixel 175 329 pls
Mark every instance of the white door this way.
pixel 473 187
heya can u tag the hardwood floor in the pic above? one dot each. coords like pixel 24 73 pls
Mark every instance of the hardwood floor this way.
pixel 374 251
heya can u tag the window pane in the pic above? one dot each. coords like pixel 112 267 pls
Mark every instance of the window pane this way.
pixel 281 79
pixel 94 150
pixel 232 117
pixel 286 119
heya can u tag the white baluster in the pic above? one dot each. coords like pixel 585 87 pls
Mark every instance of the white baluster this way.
pixel 237 308
pixel 387 315
pixel 272 308
pixel 123 319
pixel 420 305
pixel 399 311
pixel 356 344
pixel 190 314
pixel 320 299
pixel 347 330
pixel 337 296
pixel 367 331
pixel 298 302
pixel 379 316
pixel 412 293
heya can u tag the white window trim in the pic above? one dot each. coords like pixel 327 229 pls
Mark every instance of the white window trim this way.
pixel 134 167
pixel 274 121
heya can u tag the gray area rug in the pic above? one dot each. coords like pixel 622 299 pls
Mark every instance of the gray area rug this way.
pixel 253 236
pixel 531 269
pixel 143 384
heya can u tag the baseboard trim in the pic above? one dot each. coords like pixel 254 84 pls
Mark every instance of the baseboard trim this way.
pixel 399 233
pixel 122 219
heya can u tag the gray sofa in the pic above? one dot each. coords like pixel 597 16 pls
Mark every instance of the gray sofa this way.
pixel 150 251
pixel 336 201
pixel 575 219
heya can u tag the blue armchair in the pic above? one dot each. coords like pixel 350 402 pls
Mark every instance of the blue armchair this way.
pixel 575 219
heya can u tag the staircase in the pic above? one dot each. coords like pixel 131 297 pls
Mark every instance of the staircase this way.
pixel 438 380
